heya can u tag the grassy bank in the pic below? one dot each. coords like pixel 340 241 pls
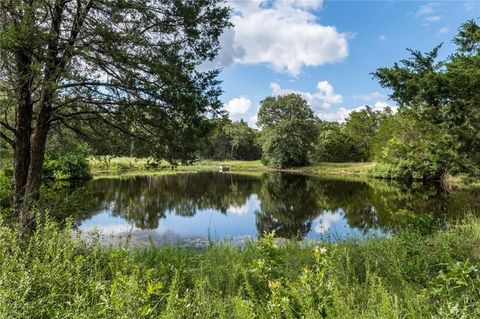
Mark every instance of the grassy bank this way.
pixel 125 166
pixel 55 275
pixel 134 166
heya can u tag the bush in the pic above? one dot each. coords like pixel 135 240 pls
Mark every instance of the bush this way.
pixel 6 192
pixel 66 166
pixel 332 145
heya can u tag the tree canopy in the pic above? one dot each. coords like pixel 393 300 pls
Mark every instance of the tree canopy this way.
pixel 288 130
pixel 438 125
pixel 128 64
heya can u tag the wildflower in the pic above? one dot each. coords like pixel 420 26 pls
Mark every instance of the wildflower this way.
pixel 273 284
pixel 320 250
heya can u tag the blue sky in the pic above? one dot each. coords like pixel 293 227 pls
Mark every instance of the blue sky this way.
pixel 326 50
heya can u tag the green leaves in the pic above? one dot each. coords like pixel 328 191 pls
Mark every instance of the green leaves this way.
pixel 288 131
pixel 437 129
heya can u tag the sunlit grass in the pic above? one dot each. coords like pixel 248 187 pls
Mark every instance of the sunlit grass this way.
pixel 124 166
pixel 53 274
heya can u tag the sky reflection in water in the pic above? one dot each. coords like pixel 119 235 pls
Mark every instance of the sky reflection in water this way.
pixel 229 206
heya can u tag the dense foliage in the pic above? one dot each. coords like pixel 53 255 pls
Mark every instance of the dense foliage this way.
pixel 356 140
pixel 231 141
pixel 288 131
pixel 67 166
pixel 332 144
pixel 55 275
pixel 437 129
pixel 105 68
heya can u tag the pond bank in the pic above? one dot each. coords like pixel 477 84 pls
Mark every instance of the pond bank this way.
pixel 417 274
pixel 129 166
pixel 135 166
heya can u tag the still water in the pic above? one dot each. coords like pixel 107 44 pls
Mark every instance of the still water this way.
pixel 215 206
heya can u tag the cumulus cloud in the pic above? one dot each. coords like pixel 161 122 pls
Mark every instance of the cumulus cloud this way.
pixel 238 107
pixel 252 121
pixel 443 30
pixel 283 34
pixel 320 100
pixel 338 115
pixel 238 210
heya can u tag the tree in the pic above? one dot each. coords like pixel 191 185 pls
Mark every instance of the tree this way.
pixel 243 141
pixel 87 64
pixel 333 145
pixel 288 130
pixel 361 127
pixel 231 140
pixel 439 104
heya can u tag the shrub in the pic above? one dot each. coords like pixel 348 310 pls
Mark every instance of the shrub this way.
pixel 6 192
pixel 66 166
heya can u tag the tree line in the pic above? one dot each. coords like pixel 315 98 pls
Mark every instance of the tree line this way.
pixel 434 133
pixel 124 77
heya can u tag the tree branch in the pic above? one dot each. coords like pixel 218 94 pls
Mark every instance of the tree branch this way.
pixel 8 127
pixel 7 139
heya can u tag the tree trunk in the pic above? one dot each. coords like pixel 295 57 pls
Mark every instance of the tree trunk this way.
pixel 39 143
pixel 22 135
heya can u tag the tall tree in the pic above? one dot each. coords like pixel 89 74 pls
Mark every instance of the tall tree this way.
pixel 439 105
pixel 84 64
pixel 288 130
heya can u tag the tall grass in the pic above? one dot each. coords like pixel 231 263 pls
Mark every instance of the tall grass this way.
pixel 55 274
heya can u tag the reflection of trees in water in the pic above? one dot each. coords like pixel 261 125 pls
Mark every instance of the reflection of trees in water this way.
pixel 144 200
pixel 288 203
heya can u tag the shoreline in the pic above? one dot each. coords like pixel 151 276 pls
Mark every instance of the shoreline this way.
pixel 125 166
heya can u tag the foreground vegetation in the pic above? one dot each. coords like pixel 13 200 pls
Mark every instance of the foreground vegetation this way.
pixel 416 274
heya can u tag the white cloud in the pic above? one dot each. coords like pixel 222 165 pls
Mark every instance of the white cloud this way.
pixel 321 100
pixel 252 121
pixel 338 115
pixel 283 34
pixel 427 9
pixel 428 12
pixel 327 221
pixel 238 107
pixel 368 97
pixel 433 19
pixel 382 105
pixel 341 114
pixel 444 30
pixel 238 210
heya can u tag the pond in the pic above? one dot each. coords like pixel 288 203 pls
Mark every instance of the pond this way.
pixel 196 207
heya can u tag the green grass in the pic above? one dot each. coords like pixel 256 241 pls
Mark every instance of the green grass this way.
pixel 53 274
pixel 125 166
pixel 130 166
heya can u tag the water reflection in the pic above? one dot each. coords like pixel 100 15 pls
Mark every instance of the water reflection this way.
pixel 228 205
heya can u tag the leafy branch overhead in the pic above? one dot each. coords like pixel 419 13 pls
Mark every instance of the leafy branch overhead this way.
pixel 131 65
